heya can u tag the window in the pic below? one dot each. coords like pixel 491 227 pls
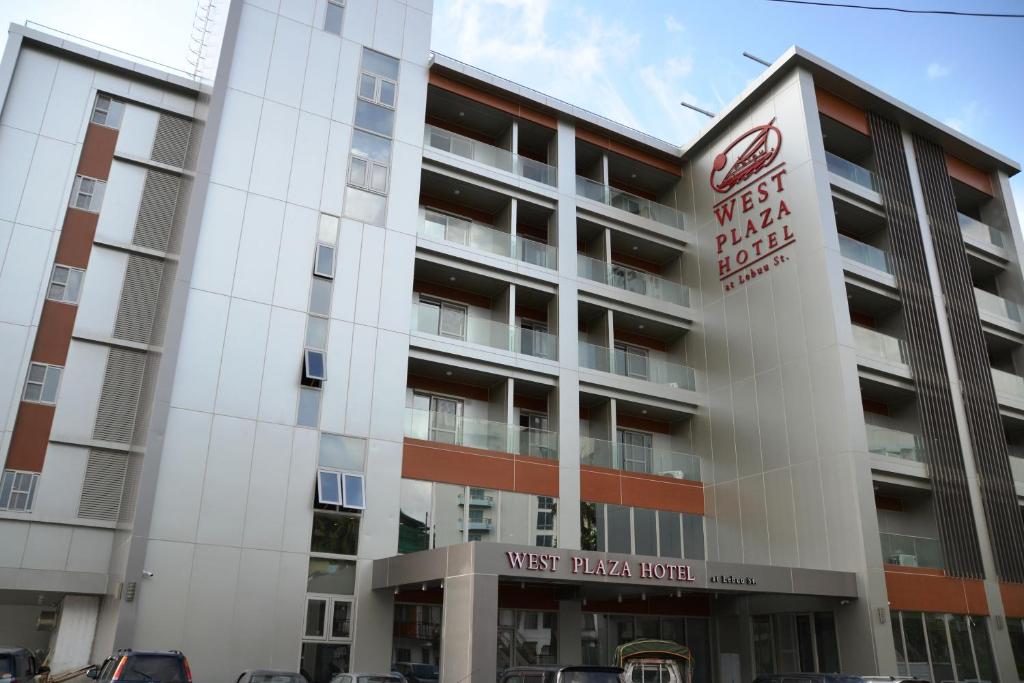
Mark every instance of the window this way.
pixel 309 407
pixel 631 361
pixel 87 193
pixel 334 15
pixel 42 382
pixel 380 64
pixel 65 284
pixel 354 491
pixel 316 332
pixel 314 366
pixel 107 111
pixel 328 618
pixel 320 296
pixel 17 490
pixel 343 489
pixel 334 577
pixel 323 661
pixel 527 639
pixel 323 263
pixel 328 486
pixel 335 533
pixel 443 318
pixel 635 450
pixel 342 452
pixel 378 90
pixel 375 118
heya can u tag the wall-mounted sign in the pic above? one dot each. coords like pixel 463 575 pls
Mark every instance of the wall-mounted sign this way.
pixel 585 566
pixel 753 218
pixel 733 580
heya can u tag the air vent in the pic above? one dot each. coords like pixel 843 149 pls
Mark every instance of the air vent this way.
pixel 130 492
pixel 139 299
pixel 103 485
pixel 171 142
pixel 156 210
pixel 122 382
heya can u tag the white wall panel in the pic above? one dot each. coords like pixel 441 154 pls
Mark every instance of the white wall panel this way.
pixel 211 604
pixel 395 286
pixel 350 240
pixel 257 252
pixel 335 398
pixel 137 131
pixel 321 73
pixel 238 389
pixel 48 185
pixel 30 90
pixel 371 272
pixel 214 267
pixel 13 539
pixel 299 10
pixel 272 162
pixel 202 338
pixel 226 484
pixel 378 531
pixel 47 547
pixel 389 27
pixel 24 271
pixel 335 168
pixel 121 202
pixel 252 632
pixel 388 405
pixel 348 66
pixel 6 230
pixel 101 292
pixel 416 39
pixel 290 608
pixel 161 608
pixel 18 147
pixel 251 60
pixel 298 516
pixel 179 486
pixel 90 550
pixel 403 216
pixel 295 258
pixel 358 26
pixel 412 103
pixel 60 484
pixel 13 345
pixel 236 140
pixel 288 62
pixel 80 387
pixel 307 172
pixel 360 386
pixel 70 103
pixel 264 512
pixel 280 392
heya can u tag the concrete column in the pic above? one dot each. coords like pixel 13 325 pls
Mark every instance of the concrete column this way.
pixel 71 646
pixel 469 636
pixel 374 613
pixel 570 628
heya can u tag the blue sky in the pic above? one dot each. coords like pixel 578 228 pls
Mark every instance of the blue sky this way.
pixel 634 61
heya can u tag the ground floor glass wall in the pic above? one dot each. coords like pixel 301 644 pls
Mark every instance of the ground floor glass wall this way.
pixel 789 643
pixel 417 639
pixel 1016 628
pixel 527 638
pixel 602 633
pixel 943 647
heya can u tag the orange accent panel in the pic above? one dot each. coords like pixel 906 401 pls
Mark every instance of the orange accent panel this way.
pixel 642 423
pixel 453 293
pixel 54 335
pixel 30 438
pixel 600 485
pixel 640 340
pixel 440 204
pixel 440 386
pixel 539 405
pixel 929 590
pixel 888 503
pixel 430 461
pixel 537 476
pixel 1013 599
pixel 491 100
pixel 635 263
pixel 662 493
pixel 630 151
pixel 969 175
pixel 842 111
pixel 76 237
pixel 97 152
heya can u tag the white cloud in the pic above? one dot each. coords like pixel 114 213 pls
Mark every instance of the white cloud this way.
pixel 966 119
pixel 936 70
pixel 673 25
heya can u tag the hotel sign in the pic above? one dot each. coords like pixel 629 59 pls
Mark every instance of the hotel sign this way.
pixel 752 217
pixel 585 566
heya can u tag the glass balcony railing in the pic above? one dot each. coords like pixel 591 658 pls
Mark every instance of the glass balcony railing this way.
pixel 457 430
pixel 630 458
pixel 489 155
pixel 851 171
pixel 997 305
pixel 440 226
pixel 878 345
pixel 870 256
pixel 429 319
pixel 911 551
pixel 637 366
pixel 631 203
pixel 1008 384
pixel 481 524
pixel 895 444
pixel 477 500
pixel 982 232
pixel 632 280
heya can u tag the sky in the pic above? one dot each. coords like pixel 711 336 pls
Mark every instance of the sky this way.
pixel 634 61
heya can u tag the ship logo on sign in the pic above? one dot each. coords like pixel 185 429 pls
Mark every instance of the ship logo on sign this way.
pixel 750 153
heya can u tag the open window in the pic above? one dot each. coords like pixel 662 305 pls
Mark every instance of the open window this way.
pixel 341 488
pixel 314 367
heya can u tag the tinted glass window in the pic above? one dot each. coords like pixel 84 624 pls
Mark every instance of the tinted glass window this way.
pixel 644 529
pixel 618 529
pixel 6 665
pixel 589 677
pixel 153 668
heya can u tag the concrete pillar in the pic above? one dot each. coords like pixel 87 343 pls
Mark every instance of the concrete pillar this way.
pixel 570 626
pixel 469 635
pixel 72 640
pixel 371 649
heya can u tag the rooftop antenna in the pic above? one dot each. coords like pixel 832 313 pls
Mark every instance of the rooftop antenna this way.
pixel 698 109
pixel 200 30
pixel 756 59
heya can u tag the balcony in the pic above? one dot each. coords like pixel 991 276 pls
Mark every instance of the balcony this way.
pixel 482 524
pixel 911 551
pixel 878 345
pixel 1008 384
pixel 997 305
pixel 488 155
pixel 477 500
pixel 636 366
pixel 632 280
pixel 451 324
pixel 851 171
pixel 630 458
pixel 628 202
pixel 440 226
pixel 979 231
pixel 893 443
pixel 457 430
pixel 862 253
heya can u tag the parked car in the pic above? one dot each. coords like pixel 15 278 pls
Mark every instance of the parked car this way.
pixel 834 678
pixel 562 674
pixel 18 665
pixel 265 676
pixel 416 672
pixel 369 678
pixel 168 666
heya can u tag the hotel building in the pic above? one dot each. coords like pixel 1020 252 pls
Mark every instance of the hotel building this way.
pixel 359 356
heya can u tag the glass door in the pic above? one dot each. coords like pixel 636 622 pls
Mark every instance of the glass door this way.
pixel 445 419
pixel 637 450
pixel 534 434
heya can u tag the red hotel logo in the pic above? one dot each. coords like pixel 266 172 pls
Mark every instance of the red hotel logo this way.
pixel 749 240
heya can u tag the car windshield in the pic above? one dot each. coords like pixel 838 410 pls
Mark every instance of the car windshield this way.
pixel 276 678
pixel 590 677
pixel 424 670
pixel 6 665
pixel 377 679
pixel 160 668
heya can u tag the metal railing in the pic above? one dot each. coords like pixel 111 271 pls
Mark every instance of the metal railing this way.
pixel 632 280
pixel 440 226
pixel 477 500
pixel 489 155
pixel 628 202
pixel 997 305
pixel 895 444
pixel 971 227
pixel 477 433
pixel 496 335
pixel 629 458
pixel 878 345
pixel 911 551
pixel 637 366
pixel 870 256
pixel 1008 384
pixel 851 171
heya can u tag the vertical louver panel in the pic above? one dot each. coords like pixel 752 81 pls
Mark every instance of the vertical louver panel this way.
pixel 139 299
pixel 130 492
pixel 156 210
pixel 119 399
pixel 103 485
pixel 171 142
